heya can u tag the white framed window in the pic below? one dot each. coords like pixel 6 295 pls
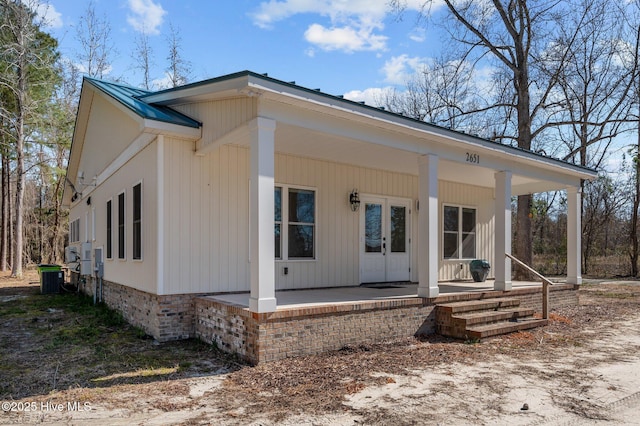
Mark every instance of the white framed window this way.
pixel 295 223
pixel 110 229
pixel 136 228
pixel 459 232
pixel 121 226
pixel 74 231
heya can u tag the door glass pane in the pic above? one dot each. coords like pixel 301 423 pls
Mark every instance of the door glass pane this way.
pixel 373 228
pixel 398 229
pixel 450 218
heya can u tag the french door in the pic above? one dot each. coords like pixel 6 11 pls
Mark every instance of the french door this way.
pixel 384 239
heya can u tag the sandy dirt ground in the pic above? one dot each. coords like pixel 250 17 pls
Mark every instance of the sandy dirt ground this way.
pixel 581 369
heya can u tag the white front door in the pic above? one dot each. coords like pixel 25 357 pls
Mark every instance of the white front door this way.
pixel 384 240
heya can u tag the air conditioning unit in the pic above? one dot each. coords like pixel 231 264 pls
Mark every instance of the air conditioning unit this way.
pixel 71 254
pixel 85 259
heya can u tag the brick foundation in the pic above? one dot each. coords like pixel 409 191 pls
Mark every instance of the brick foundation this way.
pixel 303 331
pixel 163 317
pixel 291 332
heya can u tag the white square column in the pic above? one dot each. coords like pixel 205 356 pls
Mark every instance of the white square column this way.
pixel 574 235
pixel 502 267
pixel 428 226
pixel 261 216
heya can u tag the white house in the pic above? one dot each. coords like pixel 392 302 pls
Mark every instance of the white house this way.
pixel 245 183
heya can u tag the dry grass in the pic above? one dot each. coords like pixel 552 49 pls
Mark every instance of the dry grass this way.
pixel 60 342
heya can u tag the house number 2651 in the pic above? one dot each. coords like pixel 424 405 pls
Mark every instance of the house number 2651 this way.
pixel 473 158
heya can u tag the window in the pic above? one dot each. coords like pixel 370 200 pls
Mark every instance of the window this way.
pixel 459 228
pixel 137 222
pixel 121 241
pixel 109 229
pixel 74 231
pixel 278 222
pixel 295 211
pixel 93 223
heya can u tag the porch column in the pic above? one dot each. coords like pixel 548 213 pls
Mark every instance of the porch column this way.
pixel 428 226
pixel 261 216
pixel 574 235
pixel 502 268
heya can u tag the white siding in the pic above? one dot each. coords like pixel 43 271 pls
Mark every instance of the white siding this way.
pixel 206 206
pixel 220 116
pixel 140 274
pixel 109 132
pixel 468 196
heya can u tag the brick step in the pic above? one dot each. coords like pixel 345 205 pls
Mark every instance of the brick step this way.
pixel 488 317
pixel 482 331
pixel 478 305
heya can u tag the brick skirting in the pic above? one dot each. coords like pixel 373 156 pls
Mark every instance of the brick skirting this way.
pixel 163 317
pixel 290 332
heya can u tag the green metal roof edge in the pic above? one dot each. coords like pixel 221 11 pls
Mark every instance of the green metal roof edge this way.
pixel 145 110
pixel 247 73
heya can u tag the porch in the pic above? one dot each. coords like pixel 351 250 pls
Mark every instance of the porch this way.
pixel 314 321
pixel 366 293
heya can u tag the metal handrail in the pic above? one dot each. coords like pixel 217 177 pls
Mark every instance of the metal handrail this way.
pixel 545 284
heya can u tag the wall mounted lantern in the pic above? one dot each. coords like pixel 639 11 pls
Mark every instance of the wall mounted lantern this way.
pixel 354 200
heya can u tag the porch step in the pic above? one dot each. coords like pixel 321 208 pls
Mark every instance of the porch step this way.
pixel 488 330
pixel 487 317
pixel 479 305
pixel 477 319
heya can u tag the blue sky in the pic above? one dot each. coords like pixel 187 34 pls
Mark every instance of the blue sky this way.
pixel 353 47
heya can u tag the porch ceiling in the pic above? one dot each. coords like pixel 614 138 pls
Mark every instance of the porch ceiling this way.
pixel 304 142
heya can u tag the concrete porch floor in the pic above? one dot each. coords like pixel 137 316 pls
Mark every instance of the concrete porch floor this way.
pixel 288 299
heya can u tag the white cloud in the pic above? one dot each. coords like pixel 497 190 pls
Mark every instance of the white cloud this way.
pixel 347 39
pixel 337 10
pixel 353 25
pixel 48 15
pixel 146 16
pixel 418 35
pixel 373 96
pixel 162 83
pixel 399 69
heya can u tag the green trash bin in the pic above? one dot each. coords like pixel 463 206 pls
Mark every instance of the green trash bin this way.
pixel 479 270
pixel 43 267
pixel 51 278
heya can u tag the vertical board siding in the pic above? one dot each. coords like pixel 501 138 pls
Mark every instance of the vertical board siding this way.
pixel 138 274
pixel 110 131
pixel 221 116
pixel 207 204
pixel 468 196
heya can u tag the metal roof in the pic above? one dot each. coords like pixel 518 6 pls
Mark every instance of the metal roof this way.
pixel 129 97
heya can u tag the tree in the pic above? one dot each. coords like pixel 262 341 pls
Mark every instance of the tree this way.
pixel 633 25
pixel 27 78
pixel 94 35
pixel 142 57
pixel 511 35
pixel 179 68
pixel 590 104
pixel 441 93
